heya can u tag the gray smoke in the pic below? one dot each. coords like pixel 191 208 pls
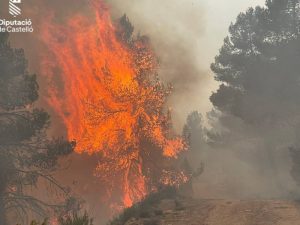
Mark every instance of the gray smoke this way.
pixel 248 150
pixel 174 28
pixel 248 160
pixel 186 36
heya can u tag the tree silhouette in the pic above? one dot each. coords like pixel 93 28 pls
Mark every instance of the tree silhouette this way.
pixel 258 67
pixel 259 62
pixel 27 156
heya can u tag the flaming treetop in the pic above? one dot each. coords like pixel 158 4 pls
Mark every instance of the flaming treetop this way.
pixel 109 98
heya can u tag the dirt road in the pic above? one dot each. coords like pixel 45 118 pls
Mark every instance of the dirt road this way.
pixel 223 212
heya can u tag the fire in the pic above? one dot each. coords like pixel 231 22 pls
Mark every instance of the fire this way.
pixel 110 100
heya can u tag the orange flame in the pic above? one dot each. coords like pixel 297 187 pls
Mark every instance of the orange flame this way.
pixel 109 98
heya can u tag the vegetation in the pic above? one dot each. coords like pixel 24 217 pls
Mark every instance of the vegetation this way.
pixel 74 219
pixel 258 67
pixel 27 156
pixel 37 223
pixel 145 207
pixel 258 64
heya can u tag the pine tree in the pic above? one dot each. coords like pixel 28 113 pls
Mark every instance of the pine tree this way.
pixel 258 67
pixel 258 63
pixel 26 154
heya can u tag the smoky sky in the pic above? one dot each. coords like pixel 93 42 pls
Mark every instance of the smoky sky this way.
pixel 251 161
pixel 258 121
pixel 186 36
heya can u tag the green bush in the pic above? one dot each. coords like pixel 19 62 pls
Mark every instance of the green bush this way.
pixel 151 222
pixel 143 208
pixel 158 212
pixel 76 219
pixel 73 219
pixel 145 214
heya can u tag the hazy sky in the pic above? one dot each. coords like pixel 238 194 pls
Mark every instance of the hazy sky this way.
pixel 219 14
pixel 186 35
pixel 189 34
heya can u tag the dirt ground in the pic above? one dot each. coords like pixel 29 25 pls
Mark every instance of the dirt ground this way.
pixel 222 212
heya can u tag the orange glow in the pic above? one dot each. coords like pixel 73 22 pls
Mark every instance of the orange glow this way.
pixel 109 98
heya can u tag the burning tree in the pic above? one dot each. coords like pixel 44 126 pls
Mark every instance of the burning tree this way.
pixel 113 103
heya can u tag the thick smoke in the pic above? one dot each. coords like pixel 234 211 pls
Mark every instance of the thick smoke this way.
pixel 186 36
pixel 246 159
pixel 175 29
pixel 258 123
pixel 174 42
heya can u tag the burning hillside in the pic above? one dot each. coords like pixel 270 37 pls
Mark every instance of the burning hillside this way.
pixel 104 86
